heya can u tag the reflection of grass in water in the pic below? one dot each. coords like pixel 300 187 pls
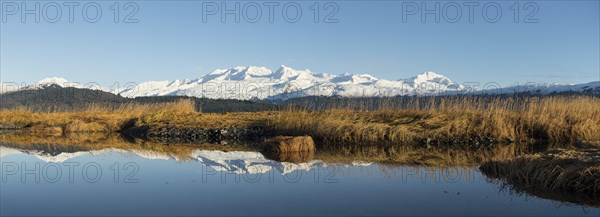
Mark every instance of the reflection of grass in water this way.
pixel 97 141
pixel 393 155
pixel 570 174
pixel 560 197
pixel 437 156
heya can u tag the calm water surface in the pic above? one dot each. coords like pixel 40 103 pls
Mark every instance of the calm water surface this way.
pixel 141 182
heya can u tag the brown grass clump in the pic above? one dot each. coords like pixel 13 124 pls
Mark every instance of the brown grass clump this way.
pixel 286 144
pixel 568 171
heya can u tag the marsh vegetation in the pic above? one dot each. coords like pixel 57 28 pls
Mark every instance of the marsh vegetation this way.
pixel 505 134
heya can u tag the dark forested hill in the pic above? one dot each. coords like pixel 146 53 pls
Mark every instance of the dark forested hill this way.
pixel 56 98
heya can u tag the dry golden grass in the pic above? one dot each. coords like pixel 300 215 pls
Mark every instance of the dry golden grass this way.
pixel 558 120
pixel 98 118
pixel 570 171
pixel 439 121
pixel 212 120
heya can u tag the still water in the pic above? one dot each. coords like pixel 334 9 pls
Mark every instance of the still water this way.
pixel 207 183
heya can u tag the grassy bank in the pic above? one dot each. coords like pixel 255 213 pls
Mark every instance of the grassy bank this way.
pixel 98 118
pixel 455 121
pixel 575 172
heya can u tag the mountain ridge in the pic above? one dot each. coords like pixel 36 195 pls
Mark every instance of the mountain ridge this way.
pixel 261 83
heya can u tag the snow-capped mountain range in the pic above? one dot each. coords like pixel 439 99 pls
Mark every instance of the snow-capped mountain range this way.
pixel 253 82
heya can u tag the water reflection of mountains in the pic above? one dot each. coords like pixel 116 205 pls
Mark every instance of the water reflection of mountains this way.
pixel 238 159
pixel 234 159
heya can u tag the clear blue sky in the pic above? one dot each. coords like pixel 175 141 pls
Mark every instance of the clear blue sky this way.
pixel 171 41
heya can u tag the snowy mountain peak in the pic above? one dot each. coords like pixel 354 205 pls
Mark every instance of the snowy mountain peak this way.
pixel 285 72
pixel 355 78
pixel 238 73
pixel 432 80
pixel 428 77
pixel 245 73
pixel 284 67
pixel 52 80
pixel 257 71
pixel 47 82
